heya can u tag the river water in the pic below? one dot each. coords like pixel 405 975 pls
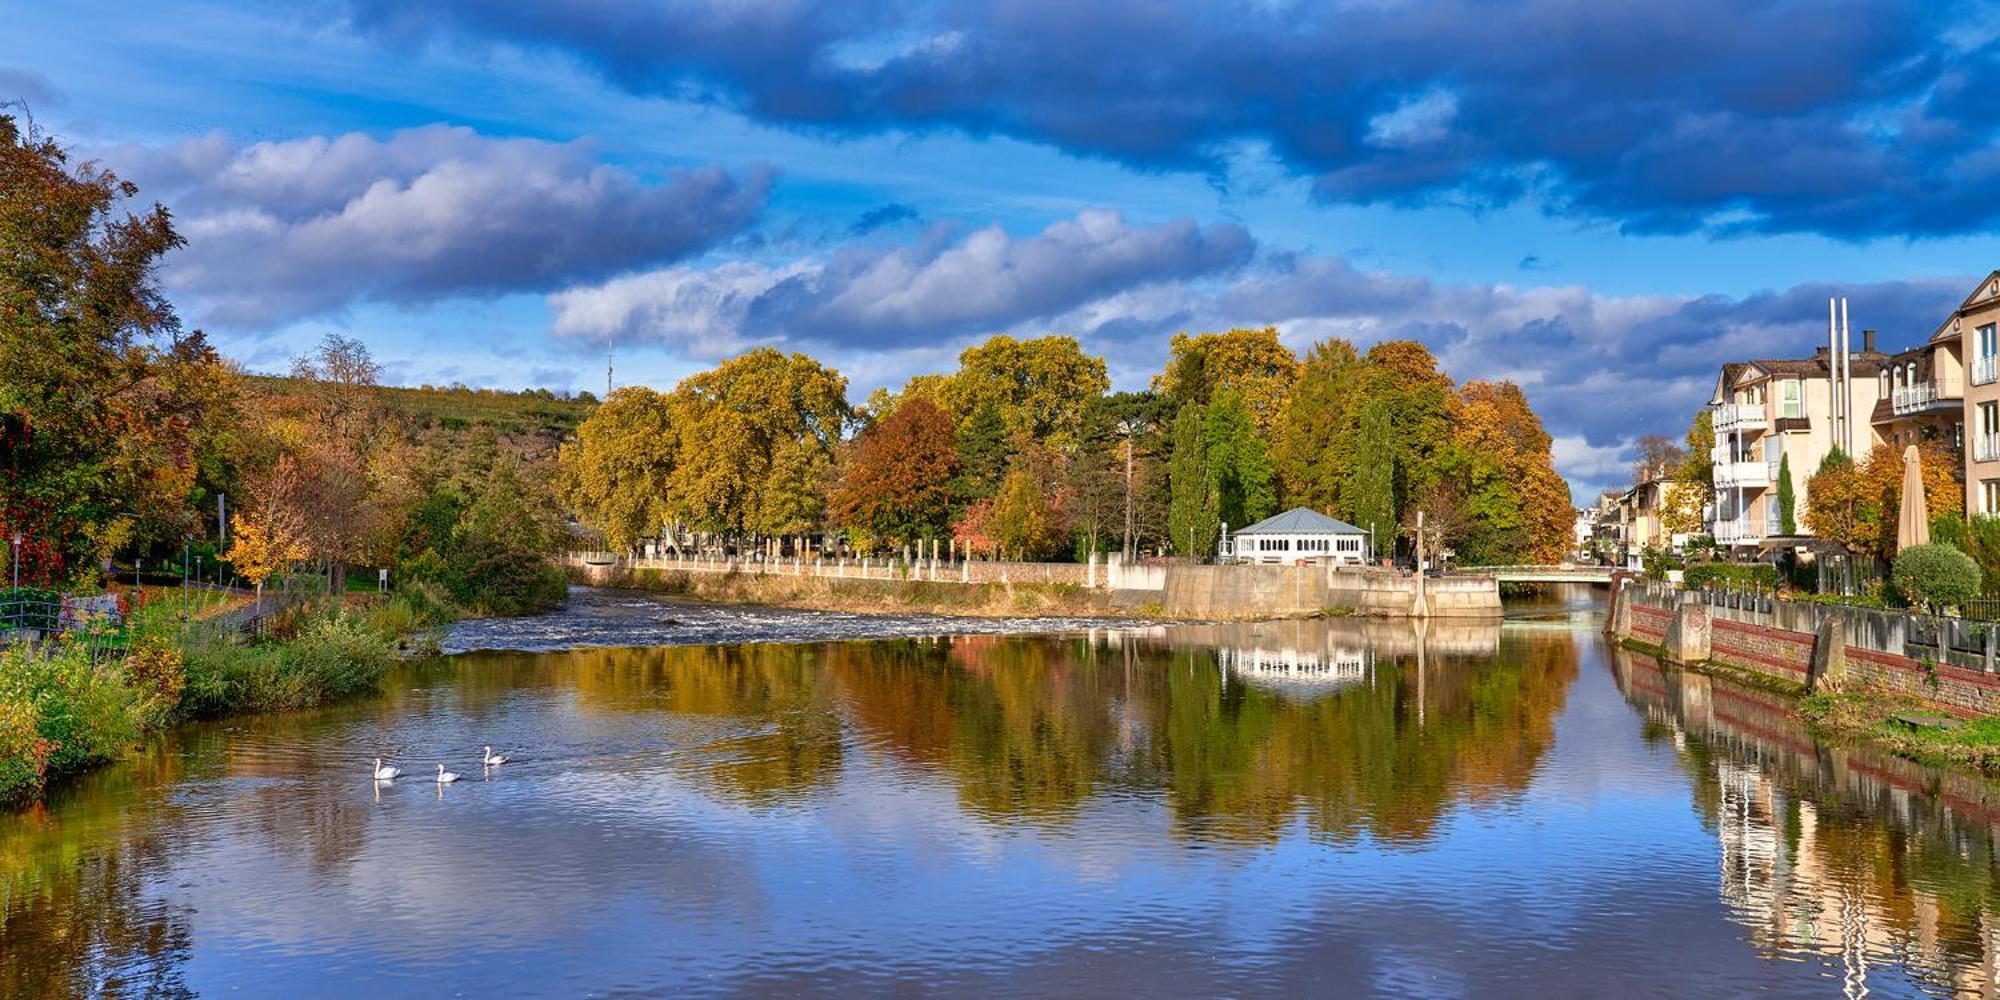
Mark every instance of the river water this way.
pixel 1333 808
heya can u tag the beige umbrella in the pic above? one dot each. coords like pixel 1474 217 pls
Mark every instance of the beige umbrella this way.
pixel 1913 524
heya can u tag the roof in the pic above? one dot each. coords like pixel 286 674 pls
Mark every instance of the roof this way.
pixel 1300 521
pixel 1863 363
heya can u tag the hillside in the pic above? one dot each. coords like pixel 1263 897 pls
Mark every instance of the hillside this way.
pixel 530 414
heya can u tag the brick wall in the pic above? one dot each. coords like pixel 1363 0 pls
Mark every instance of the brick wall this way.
pixel 1779 652
pixel 1889 651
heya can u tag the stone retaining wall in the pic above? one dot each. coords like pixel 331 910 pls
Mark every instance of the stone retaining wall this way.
pixel 1949 662
pixel 1227 591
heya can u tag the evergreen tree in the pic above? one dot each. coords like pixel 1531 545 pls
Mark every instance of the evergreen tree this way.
pixel 1371 481
pixel 1787 516
pixel 1239 470
pixel 1193 521
pixel 982 453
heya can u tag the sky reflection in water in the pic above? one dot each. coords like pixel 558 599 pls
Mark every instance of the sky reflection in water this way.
pixel 1244 810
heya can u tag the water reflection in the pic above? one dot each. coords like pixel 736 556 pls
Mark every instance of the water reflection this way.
pixel 1862 857
pixel 1433 810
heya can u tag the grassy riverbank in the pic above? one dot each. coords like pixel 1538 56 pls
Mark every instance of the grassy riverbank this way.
pixel 1907 726
pixel 984 600
pixel 61 714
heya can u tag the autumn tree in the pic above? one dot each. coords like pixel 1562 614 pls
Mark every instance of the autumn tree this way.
pixel 1516 507
pixel 104 399
pixel 1038 387
pixel 270 530
pixel 756 440
pixel 1693 482
pixel 1025 522
pixel 1858 505
pixel 619 472
pixel 897 484
pixel 1418 403
pixel 1252 363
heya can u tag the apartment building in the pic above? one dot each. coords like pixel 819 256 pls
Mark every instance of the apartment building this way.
pixel 1974 329
pixel 1768 411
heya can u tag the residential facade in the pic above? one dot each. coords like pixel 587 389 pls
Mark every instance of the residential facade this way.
pixel 1974 329
pixel 1778 415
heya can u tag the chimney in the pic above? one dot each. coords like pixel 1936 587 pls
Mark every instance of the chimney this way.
pixel 1867 341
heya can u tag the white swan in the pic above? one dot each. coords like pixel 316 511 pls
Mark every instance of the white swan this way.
pixel 385 773
pixel 493 759
pixel 446 777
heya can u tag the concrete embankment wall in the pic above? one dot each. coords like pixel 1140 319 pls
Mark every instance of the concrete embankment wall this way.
pixel 1232 591
pixel 1947 661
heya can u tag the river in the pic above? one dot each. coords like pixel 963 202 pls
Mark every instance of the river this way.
pixel 1332 808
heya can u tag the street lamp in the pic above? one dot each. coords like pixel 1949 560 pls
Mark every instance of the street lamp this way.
pixel 17 560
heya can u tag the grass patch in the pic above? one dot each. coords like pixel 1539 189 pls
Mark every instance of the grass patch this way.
pixel 1882 718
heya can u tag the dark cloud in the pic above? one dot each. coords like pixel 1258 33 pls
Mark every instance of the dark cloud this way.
pixel 278 231
pixel 27 87
pixel 1845 117
pixel 894 213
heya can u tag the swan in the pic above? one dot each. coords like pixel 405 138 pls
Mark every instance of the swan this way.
pixel 446 777
pixel 493 759
pixel 385 773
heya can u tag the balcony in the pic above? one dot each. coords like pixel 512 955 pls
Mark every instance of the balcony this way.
pixel 1985 369
pixel 1739 531
pixel 1936 395
pixel 1736 475
pixel 1986 447
pixel 1738 417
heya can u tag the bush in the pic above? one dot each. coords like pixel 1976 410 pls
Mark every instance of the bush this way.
pixel 59 715
pixel 1937 576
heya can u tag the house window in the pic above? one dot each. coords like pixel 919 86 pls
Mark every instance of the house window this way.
pixel 1772 519
pixel 1989 496
pixel 1790 402
pixel 1989 342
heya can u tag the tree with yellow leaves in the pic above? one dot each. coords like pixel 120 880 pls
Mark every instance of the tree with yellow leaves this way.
pixel 271 532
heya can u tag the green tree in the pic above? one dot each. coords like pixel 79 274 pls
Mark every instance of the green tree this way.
pixel 983 451
pixel 1193 520
pixel 1239 472
pixel 1787 501
pixel 1024 522
pixel 1371 480
pixel 1314 441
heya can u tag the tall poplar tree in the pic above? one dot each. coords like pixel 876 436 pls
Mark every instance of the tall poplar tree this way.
pixel 1787 501
pixel 1371 481
pixel 1239 471
pixel 1192 519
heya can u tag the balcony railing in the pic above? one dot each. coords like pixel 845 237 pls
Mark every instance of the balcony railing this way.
pixel 1925 395
pixel 1738 531
pixel 1738 417
pixel 1985 447
pixel 1985 369
pixel 1730 475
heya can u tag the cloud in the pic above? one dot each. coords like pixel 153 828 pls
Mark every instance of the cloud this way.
pixel 1851 118
pixel 1601 370
pixel 894 213
pixel 25 86
pixel 944 283
pixel 279 231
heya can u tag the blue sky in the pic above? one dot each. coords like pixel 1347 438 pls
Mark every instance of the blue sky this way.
pixel 1601 202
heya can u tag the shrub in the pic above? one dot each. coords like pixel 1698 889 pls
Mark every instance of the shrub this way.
pixel 1937 576
pixel 338 656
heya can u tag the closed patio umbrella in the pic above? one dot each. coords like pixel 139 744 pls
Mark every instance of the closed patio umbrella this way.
pixel 1913 523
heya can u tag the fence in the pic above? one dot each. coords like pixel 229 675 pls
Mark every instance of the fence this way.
pixel 42 622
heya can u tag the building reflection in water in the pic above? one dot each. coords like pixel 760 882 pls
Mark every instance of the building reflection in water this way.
pixel 1844 853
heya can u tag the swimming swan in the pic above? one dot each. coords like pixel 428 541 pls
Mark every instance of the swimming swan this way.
pixel 385 773
pixel 493 759
pixel 446 777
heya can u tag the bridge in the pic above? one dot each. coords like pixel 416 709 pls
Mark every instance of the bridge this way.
pixel 1563 573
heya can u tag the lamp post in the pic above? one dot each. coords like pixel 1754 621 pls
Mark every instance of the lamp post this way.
pixel 17 560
